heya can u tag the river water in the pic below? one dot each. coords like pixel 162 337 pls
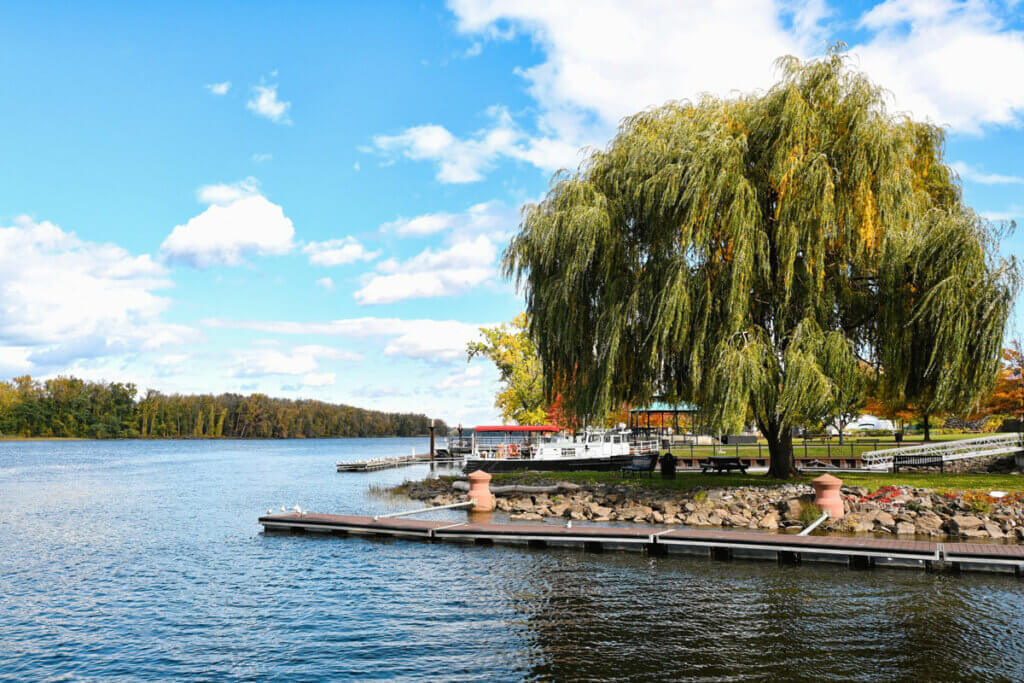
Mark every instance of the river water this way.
pixel 143 560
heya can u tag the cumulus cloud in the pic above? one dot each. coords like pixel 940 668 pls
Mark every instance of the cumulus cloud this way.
pixel 425 339
pixel 219 88
pixel 326 283
pixel 64 298
pixel 265 102
pixel 976 175
pixel 238 222
pixel 300 360
pixel 318 379
pixel 260 157
pixel 226 193
pixel 942 60
pixel 493 218
pixel 470 377
pixel 337 252
pixel 431 273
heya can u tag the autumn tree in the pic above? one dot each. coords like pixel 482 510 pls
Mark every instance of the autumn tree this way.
pixel 744 253
pixel 521 396
pixel 1005 398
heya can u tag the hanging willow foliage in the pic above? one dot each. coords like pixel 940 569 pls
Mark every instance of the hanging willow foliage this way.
pixel 745 253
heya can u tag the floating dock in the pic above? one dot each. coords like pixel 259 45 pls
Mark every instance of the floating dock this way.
pixel 855 552
pixel 388 463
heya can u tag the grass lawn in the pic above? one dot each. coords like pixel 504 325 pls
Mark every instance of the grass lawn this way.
pixel 688 481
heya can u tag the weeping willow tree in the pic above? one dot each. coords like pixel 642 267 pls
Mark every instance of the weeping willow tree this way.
pixel 746 253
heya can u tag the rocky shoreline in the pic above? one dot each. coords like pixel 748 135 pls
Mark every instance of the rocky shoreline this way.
pixel 902 511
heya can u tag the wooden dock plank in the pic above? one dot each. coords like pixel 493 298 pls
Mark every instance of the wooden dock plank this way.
pixel 922 552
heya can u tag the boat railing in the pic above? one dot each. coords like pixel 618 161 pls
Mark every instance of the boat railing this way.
pixel 644 447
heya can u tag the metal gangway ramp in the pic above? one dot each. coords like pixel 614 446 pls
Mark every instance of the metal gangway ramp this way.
pixel 948 451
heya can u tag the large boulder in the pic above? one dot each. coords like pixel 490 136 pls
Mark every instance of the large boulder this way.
pixel 904 528
pixel 769 521
pixel 959 525
pixel 928 524
pixel 792 509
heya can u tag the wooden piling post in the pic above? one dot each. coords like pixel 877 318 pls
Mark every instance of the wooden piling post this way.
pixel 431 441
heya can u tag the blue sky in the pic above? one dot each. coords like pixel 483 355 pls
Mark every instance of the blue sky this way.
pixel 309 199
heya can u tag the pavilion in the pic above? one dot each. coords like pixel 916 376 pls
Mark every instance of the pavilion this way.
pixel 660 410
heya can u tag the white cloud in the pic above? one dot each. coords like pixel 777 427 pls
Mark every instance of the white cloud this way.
pixel 435 340
pixel 325 282
pixel 431 273
pixel 493 218
pixel 954 63
pixel 63 298
pixel 226 193
pixel 459 161
pixel 951 62
pixel 337 252
pixel 319 379
pixel 237 225
pixel 264 102
pixel 260 157
pixel 219 88
pixel 301 360
pixel 470 377
pixel 976 175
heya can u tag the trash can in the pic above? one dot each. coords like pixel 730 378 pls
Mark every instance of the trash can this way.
pixel 668 466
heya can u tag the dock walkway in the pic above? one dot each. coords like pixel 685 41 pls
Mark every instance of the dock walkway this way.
pixel 856 552
pixel 388 463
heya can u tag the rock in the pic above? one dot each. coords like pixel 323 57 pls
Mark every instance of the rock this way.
pixel 960 524
pixel 769 521
pixel 657 517
pixel 905 529
pixel 577 515
pixel 975 533
pixel 526 517
pixel 697 519
pixel 599 510
pixel 884 518
pixel 993 530
pixel 792 508
pixel 1019 532
pixel 928 524
pixel 559 509
pixel 737 520
pixel 672 520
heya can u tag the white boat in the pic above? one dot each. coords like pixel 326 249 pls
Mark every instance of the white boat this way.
pixel 506 448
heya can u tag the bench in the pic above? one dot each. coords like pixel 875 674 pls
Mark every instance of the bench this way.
pixel 899 461
pixel 723 464
pixel 642 464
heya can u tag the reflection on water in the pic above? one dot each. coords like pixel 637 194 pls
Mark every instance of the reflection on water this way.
pixel 129 559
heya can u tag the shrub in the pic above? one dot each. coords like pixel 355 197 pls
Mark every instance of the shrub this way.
pixel 809 514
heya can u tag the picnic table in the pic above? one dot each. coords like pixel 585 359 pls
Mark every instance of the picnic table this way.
pixel 723 464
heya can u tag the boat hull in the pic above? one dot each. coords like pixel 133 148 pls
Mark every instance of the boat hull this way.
pixel 497 465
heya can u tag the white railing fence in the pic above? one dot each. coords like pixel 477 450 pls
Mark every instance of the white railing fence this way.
pixel 948 450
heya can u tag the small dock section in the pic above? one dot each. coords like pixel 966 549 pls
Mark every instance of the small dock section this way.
pixel 388 463
pixel 855 552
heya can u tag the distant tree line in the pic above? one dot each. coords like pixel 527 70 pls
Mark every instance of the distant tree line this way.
pixel 71 407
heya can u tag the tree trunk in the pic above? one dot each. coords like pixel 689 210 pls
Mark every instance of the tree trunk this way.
pixel 927 428
pixel 842 430
pixel 780 448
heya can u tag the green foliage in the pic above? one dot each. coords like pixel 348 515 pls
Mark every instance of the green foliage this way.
pixel 70 407
pixel 743 254
pixel 809 513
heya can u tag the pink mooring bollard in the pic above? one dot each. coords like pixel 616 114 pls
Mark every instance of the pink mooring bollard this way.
pixel 480 491
pixel 826 495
